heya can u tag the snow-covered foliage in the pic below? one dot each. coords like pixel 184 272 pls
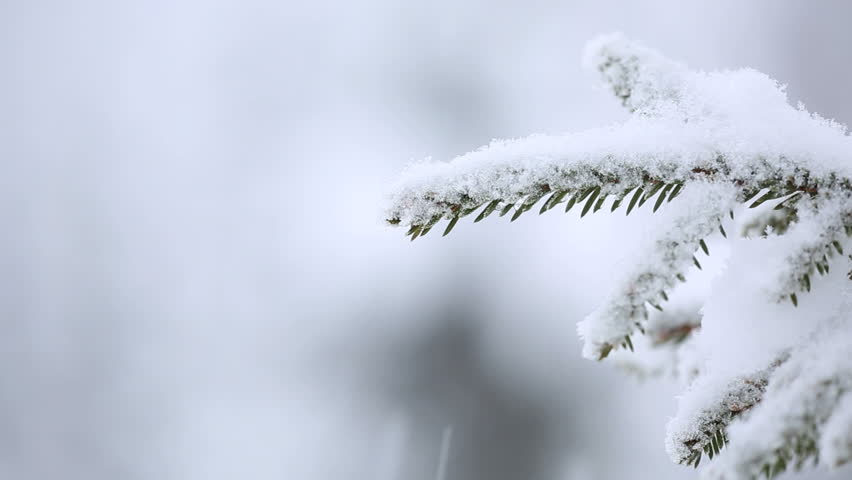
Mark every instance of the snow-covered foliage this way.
pixel 699 214
pixel 819 233
pixel 798 415
pixel 766 346
pixel 706 410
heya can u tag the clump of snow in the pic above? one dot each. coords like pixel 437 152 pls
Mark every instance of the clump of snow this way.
pixel 836 444
pixel 644 80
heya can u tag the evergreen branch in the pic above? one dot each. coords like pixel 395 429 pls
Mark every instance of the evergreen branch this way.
pixel 818 236
pixel 707 410
pixel 523 173
pixel 804 397
pixel 686 125
pixel 698 215
pixel 717 139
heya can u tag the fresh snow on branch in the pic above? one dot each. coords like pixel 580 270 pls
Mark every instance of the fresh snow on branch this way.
pixel 699 214
pixel 819 235
pixel 835 447
pixel 706 410
pixel 803 395
pixel 643 79
pixel 769 357
pixel 733 127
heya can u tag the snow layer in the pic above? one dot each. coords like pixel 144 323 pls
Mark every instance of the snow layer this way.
pixel 836 444
pixel 773 377
pixel 731 126
pixel 818 235
pixel 695 215
pixel 803 394
pixel 709 406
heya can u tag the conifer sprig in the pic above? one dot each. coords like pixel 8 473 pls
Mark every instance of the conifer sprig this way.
pixel 697 147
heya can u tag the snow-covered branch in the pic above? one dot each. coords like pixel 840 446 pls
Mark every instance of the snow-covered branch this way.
pixel 707 409
pixel 698 146
pixel 803 412
pixel 819 234
pixel 698 215
pixel 732 127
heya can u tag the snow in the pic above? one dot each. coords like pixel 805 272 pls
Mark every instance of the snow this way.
pixel 768 341
pixel 736 124
pixel 817 235
pixel 710 405
pixel 802 395
pixel 836 445
pixel 695 215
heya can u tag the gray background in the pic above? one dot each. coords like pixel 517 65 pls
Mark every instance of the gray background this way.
pixel 195 281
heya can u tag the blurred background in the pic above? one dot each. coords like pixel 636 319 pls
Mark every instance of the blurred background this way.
pixel 196 282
